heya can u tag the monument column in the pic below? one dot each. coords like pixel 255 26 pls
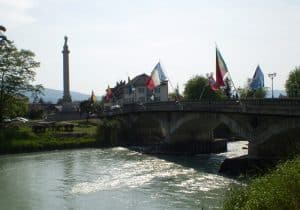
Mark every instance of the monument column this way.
pixel 67 95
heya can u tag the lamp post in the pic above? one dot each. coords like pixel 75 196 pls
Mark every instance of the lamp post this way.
pixel 272 76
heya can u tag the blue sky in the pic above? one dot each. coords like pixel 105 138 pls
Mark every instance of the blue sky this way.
pixel 110 40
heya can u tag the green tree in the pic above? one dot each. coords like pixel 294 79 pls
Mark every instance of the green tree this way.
pixel 18 106
pixel 17 72
pixel 89 107
pixel 198 88
pixel 292 85
pixel 247 92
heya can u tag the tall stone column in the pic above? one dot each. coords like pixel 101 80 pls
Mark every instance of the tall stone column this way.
pixel 67 95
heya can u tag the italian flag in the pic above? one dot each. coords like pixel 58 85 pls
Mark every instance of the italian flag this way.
pixel 221 71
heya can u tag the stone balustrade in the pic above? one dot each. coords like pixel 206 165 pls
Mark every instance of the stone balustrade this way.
pixel 282 107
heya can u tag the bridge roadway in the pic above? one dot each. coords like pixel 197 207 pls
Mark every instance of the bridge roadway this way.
pixel 272 126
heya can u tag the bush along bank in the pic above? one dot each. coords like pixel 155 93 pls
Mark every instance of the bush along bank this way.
pixel 277 190
pixel 22 139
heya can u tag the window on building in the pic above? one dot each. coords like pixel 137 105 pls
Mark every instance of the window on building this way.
pixel 157 98
pixel 141 90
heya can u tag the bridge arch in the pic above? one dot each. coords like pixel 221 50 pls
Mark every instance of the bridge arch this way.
pixel 147 129
pixel 192 127
pixel 278 139
pixel 222 131
pixel 239 125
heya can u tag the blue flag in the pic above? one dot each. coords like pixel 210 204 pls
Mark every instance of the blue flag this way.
pixel 258 79
pixel 130 88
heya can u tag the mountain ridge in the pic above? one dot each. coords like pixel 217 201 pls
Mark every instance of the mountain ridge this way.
pixel 53 95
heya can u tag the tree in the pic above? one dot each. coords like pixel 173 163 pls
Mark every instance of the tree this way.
pixel 18 106
pixel 17 72
pixel 198 88
pixel 292 85
pixel 247 92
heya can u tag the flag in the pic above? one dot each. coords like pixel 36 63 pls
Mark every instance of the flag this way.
pixel 157 76
pixel 93 97
pixel 108 94
pixel 212 83
pixel 258 79
pixel 221 70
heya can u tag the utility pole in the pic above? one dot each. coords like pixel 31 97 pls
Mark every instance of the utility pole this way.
pixel 272 76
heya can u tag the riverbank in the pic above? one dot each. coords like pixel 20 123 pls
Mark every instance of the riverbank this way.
pixel 278 189
pixel 21 139
pixel 246 166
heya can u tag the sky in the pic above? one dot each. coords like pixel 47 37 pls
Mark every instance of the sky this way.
pixel 110 40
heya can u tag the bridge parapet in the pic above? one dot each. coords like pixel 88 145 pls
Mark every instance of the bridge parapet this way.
pixel 281 107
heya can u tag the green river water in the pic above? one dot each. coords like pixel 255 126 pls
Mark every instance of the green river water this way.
pixel 115 178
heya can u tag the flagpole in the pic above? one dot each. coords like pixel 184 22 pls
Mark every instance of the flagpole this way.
pixel 167 75
pixel 203 90
pixel 233 83
pixel 177 101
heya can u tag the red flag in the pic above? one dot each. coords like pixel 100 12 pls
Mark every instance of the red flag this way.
pixel 108 94
pixel 150 84
pixel 212 83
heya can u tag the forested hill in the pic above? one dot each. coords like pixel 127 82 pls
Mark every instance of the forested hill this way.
pixel 52 95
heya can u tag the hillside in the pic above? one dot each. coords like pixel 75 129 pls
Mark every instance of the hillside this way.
pixel 52 95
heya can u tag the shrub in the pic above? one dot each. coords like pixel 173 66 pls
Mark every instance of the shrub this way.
pixel 279 189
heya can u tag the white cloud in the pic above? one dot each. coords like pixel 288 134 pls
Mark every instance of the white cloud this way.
pixel 16 12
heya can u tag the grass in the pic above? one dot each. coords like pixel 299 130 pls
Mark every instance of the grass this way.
pixel 277 190
pixel 20 138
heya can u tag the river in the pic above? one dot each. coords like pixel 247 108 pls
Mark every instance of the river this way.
pixel 115 178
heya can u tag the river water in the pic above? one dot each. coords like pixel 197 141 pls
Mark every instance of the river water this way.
pixel 115 178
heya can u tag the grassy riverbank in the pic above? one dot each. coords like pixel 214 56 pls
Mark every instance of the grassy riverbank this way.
pixel 279 189
pixel 18 139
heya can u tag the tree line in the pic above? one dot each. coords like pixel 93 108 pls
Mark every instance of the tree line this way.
pixel 198 88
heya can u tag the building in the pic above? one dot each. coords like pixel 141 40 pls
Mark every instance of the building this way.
pixel 136 91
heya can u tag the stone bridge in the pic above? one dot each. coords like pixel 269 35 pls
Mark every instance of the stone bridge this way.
pixel 272 126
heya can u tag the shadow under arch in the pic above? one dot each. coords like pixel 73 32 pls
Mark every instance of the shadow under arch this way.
pixel 146 130
pixel 191 129
pixel 222 131
pixel 234 127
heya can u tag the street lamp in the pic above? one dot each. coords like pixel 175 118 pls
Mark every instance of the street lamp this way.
pixel 272 76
